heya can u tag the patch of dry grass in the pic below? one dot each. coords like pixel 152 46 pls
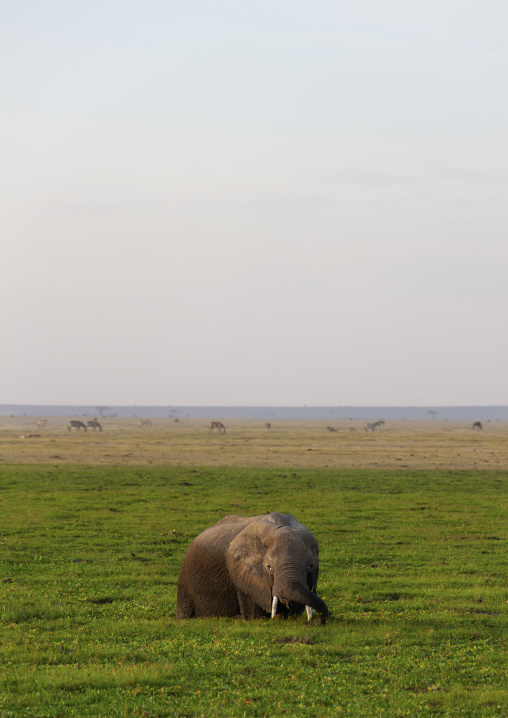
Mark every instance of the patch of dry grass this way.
pixel 296 444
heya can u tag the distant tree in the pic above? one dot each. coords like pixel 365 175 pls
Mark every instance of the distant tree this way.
pixel 433 413
pixel 101 409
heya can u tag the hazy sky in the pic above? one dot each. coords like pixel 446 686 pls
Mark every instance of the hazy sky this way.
pixel 270 203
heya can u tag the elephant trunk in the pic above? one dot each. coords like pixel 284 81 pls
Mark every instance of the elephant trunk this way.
pixel 302 595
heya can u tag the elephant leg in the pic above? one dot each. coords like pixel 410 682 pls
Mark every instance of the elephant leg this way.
pixel 248 609
pixel 184 604
pixel 205 593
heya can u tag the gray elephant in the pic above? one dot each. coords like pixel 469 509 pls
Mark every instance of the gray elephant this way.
pixel 251 566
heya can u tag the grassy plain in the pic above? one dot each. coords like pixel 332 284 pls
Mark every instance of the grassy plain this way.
pixel 413 533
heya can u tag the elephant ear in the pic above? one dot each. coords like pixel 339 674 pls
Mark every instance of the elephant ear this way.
pixel 245 562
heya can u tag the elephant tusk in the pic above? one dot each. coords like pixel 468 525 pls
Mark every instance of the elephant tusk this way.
pixel 309 612
pixel 274 606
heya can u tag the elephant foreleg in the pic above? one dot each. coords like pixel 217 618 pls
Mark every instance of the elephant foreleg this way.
pixel 248 609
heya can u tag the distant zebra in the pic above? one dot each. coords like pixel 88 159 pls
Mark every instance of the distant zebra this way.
pixel 74 424
pixel 268 425
pixel 477 425
pixel 218 425
pixel 94 424
pixel 41 423
pixel 373 426
pixel 331 428
pixel 144 422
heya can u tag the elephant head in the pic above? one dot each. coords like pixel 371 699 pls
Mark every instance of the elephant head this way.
pixel 275 562
pixel 253 566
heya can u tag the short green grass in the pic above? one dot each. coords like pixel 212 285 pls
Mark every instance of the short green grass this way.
pixel 413 569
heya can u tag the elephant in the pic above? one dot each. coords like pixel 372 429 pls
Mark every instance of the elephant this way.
pixel 251 566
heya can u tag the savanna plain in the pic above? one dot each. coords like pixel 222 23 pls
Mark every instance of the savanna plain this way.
pixel 411 521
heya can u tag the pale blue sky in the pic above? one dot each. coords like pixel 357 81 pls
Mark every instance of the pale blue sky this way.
pixel 263 203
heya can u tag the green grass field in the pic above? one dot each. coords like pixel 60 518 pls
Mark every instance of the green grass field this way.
pixel 413 569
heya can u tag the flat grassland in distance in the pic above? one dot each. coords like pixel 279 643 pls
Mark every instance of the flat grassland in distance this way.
pixel 413 535
pixel 299 444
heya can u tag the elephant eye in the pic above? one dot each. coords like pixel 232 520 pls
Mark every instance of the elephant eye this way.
pixel 309 568
pixel 270 569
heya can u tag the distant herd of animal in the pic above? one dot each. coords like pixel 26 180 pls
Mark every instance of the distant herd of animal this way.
pixel 78 425
pixel 214 425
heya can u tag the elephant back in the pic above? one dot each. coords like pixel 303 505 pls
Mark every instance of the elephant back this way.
pixel 283 520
